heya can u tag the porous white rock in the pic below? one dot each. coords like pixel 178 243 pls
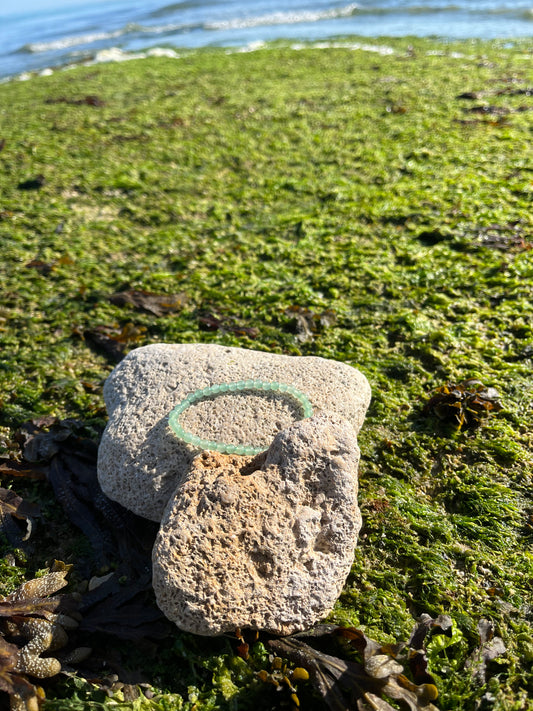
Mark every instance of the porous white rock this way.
pixel 141 461
pixel 262 543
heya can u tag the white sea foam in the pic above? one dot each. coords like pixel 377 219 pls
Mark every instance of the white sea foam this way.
pixel 378 48
pixel 282 18
pixel 163 52
pixel 250 47
pixel 115 54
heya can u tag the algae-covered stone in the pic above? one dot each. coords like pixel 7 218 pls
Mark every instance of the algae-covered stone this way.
pixel 266 542
pixel 141 461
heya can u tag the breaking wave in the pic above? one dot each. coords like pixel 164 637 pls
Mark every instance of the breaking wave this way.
pixel 74 41
pixel 130 30
pixel 283 18
pixel 136 30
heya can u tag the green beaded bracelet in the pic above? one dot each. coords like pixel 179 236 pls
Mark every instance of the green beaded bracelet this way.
pixel 261 385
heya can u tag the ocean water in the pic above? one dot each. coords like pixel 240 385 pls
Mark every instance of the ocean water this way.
pixel 96 30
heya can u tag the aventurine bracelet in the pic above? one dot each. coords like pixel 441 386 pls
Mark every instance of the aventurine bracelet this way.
pixel 261 385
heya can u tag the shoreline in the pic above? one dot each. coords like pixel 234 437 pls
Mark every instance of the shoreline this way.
pixel 352 42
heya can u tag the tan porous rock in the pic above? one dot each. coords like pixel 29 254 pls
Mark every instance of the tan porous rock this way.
pixel 266 542
pixel 141 461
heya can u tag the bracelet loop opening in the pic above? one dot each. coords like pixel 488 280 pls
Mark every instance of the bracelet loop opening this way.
pixel 214 390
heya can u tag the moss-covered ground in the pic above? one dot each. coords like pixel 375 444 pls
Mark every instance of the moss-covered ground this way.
pixel 331 202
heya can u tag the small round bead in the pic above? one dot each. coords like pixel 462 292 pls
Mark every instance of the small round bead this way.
pixel 249 384
pixel 274 386
pixel 241 384
pixel 283 388
pixel 215 389
pixel 232 387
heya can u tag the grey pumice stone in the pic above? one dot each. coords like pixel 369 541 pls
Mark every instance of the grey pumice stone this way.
pixel 141 461
pixel 266 542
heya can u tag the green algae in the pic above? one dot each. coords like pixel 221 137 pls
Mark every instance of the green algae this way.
pixel 351 182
